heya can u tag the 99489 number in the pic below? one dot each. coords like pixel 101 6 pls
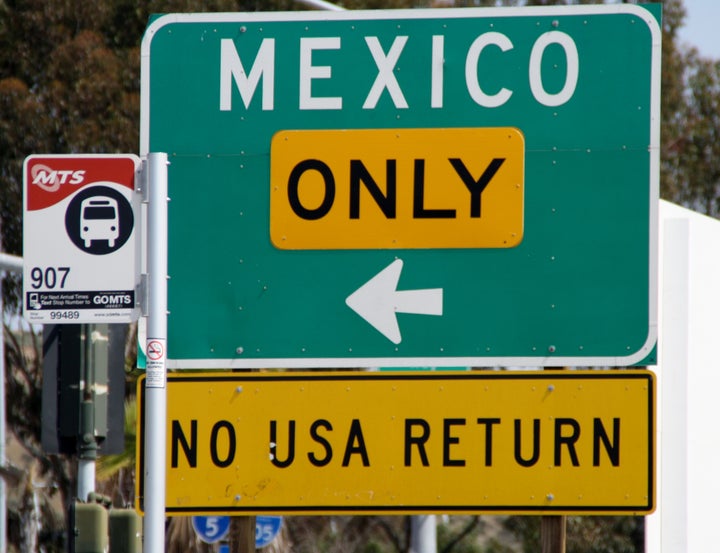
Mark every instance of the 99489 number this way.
pixel 64 314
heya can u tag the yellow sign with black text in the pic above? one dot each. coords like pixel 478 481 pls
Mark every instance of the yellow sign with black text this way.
pixel 536 442
pixel 397 188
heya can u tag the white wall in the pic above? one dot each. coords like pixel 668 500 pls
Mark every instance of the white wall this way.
pixel 688 447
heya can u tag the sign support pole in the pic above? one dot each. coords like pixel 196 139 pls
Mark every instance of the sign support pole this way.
pixel 87 443
pixel 156 372
pixel 553 528
pixel 242 534
pixel 553 532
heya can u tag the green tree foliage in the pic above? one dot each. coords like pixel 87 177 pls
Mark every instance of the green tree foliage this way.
pixel 671 99
pixel 70 83
pixel 696 150
pixel 589 534
pixel 690 105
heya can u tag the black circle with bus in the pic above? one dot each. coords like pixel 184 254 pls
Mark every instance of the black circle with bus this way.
pixel 99 220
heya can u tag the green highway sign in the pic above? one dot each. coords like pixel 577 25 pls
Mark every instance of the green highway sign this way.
pixel 408 187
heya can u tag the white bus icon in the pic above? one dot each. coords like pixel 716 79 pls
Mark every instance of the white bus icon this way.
pixel 99 220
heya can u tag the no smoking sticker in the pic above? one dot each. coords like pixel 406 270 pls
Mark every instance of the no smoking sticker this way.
pixel 155 365
pixel 155 350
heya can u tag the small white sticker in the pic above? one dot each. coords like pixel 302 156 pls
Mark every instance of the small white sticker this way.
pixel 155 371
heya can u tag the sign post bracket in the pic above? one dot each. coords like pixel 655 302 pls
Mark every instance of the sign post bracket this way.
pixel 141 187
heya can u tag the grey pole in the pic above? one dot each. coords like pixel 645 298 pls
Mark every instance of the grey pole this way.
pixel 86 478
pixel 87 444
pixel 423 534
pixel 156 369
pixel 11 263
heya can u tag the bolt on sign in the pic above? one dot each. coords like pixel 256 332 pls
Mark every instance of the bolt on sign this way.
pixel 408 187
pixel 368 442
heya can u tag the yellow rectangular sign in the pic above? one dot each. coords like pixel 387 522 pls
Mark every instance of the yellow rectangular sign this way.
pixel 558 442
pixel 397 188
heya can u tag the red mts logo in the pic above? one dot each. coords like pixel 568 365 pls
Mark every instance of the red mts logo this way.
pixel 50 179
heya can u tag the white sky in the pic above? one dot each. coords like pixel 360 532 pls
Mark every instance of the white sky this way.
pixel 702 23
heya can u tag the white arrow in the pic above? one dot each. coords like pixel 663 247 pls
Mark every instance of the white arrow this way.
pixel 378 300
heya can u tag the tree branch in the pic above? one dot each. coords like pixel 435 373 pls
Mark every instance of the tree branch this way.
pixel 469 528
pixel 390 533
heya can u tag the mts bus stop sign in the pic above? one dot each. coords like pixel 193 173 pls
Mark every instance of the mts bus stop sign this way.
pixel 408 188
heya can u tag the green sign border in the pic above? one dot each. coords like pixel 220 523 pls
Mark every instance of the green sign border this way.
pixel 196 338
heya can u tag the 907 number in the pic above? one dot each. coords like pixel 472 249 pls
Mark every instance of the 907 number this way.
pixel 49 277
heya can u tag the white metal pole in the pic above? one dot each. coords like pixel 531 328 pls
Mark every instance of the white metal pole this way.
pixel 423 534
pixel 156 370
pixel 86 478
pixel 321 5
pixel 11 263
